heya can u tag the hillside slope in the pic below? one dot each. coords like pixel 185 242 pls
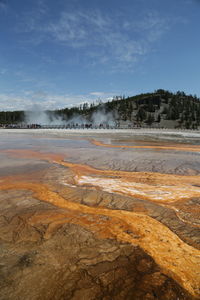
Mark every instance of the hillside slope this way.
pixel 159 109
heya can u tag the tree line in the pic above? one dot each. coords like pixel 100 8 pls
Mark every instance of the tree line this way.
pixel 143 109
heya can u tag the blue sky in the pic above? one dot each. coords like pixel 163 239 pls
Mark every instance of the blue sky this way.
pixel 55 54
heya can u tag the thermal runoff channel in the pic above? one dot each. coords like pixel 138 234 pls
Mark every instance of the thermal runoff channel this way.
pixel 120 207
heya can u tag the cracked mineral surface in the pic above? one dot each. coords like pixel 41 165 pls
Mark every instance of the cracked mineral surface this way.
pixel 99 215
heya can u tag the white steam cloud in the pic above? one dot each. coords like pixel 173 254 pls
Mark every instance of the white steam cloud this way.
pixel 49 118
pixel 102 118
pixel 42 118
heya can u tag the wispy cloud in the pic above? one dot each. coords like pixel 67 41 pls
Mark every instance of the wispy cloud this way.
pixel 105 40
pixel 153 26
pixel 3 5
pixel 106 36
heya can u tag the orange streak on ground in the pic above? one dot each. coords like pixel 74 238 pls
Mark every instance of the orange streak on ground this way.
pixel 140 177
pixel 178 147
pixel 177 259
pixel 93 222
pixel 161 188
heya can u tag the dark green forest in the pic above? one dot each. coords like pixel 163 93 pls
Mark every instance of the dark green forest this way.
pixel 160 108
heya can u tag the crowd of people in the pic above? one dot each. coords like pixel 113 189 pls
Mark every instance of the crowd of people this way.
pixel 57 126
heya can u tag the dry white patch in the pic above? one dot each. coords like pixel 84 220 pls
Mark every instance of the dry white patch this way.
pixel 130 132
pixel 155 193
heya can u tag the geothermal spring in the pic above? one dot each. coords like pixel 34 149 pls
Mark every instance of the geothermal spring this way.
pixel 99 214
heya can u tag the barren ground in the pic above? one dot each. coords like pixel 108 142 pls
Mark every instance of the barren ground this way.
pixel 99 214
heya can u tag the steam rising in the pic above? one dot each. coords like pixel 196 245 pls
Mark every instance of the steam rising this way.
pixel 101 117
pixel 49 118
pixel 42 118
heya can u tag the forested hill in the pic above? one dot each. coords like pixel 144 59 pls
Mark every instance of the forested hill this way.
pixel 159 109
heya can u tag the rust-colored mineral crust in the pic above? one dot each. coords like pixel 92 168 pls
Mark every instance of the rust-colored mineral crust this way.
pixel 73 231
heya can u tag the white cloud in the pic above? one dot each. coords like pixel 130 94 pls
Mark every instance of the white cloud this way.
pixel 45 101
pixel 67 29
pixel 106 40
pixel 97 94
pixel 93 30
pixel 11 102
